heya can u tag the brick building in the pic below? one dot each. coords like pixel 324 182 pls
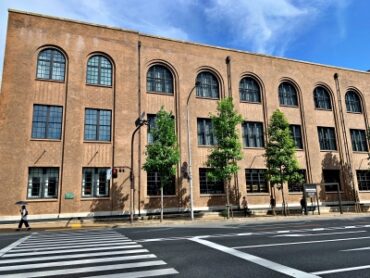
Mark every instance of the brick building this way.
pixel 71 92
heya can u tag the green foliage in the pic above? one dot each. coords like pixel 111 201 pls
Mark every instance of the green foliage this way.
pixel 224 156
pixel 163 153
pixel 282 166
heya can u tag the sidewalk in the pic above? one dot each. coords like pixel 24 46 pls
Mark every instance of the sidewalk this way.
pixel 212 219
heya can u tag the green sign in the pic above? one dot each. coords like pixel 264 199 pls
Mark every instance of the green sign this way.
pixel 69 195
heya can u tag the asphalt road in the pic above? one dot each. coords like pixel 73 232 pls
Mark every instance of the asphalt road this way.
pixel 338 247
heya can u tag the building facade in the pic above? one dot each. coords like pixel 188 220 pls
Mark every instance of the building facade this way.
pixel 71 93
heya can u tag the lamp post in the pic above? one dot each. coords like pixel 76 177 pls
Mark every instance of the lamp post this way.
pixel 138 123
pixel 189 152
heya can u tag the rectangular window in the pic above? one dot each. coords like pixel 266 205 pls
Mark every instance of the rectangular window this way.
pixel 363 179
pixel 331 176
pixel 97 125
pixel 298 187
pixel 253 135
pixel 359 142
pixel 43 183
pixel 154 185
pixel 208 186
pixel 205 133
pixel 47 122
pixel 95 182
pixel 297 135
pixel 327 138
pixel 256 180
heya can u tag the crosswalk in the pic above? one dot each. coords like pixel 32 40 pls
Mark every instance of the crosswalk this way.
pixel 87 253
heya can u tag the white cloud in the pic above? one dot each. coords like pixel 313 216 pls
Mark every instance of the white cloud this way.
pixel 268 26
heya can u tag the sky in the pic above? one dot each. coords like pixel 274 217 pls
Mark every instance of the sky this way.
pixel 331 32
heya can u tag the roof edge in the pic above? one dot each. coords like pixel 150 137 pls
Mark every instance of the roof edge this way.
pixel 186 42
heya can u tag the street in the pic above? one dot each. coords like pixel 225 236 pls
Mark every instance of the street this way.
pixel 333 247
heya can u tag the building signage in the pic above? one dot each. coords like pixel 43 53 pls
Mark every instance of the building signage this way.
pixel 69 196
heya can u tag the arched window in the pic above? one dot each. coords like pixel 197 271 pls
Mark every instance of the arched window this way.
pixel 208 85
pixel 353 102
pixel 287 95
pixel 322 98
pixel 99 71
pixel 159 79
pixel 249 90
pixel 51 65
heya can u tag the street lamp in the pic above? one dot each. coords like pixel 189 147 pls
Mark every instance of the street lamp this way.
pixel 138 123
pixel 189 152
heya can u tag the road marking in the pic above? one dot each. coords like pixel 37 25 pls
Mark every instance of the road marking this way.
pixel 13 245
pixel 69 242
pixel 75 256
pixel 283 232
pixel 357 249
pixel 347 269
pixel 71 251
pixel 59 247
pixel 85 269
pixel 137 274
pixel 300 242
pixel 97 237
pixel 76 262
pixel 257 260
pixel 321 234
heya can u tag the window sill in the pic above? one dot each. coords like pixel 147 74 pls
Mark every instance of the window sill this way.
pixel 295 193
pixel 358 113
pixel 97 142
pixel 159 196
pixel 206 146
pixel 50 80
pixel 334 192
pixel 289 106
pixel 323 109
pixel 100 85
pixel 329 151
pixel 213 195
pixel 258 193
pixel 41 200
pixel 250 102
pixel 45 140
pixel 207 98
pixel 254 148
pixel 360 152
pixel 160 93
pixel 94 198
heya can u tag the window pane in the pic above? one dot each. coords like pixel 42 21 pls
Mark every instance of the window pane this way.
pixel 253 135
pixel 256 180
pixel 47 122
pixel 353 102
pixel 205 132
pixel 322 98
pixel 363 179
pixel 208 85
pixel 249 90
pixel 43 182
pixel 51 65
pixel 359 140
pixel 287 95
pixel 327 138
pixel 207 186
pixel 159 79
pixel 154 185
pixel 297 136
pixel 99 71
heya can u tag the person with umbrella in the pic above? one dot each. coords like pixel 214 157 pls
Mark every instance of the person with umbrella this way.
pixel 24 218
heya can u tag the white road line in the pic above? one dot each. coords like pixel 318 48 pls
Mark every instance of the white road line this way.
pixel 7 255
pixel 75 256
pixel 320 234
pixel 52 235
pixel 347 269
pixel 41 245
pixel 76 262
pixel 13 245
pixel 357 249
pixel 73 241
pixel 283 232
pixel 97 244
pixel 257 260
pixel 300 242
pixel 32 239
pixel 138 274
pixel 84 269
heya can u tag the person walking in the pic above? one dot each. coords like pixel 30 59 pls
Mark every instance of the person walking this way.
pixel 245 207
pixel 24 219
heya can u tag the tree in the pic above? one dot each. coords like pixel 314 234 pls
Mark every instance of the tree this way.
pixel 282 166
pixel 227 151
pixel 163 153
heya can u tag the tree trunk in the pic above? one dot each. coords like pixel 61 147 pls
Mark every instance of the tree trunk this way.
pixel 228 198
pixel 282 195
pixel 161 204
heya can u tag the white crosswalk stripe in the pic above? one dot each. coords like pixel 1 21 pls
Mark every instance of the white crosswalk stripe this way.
pixel 98 253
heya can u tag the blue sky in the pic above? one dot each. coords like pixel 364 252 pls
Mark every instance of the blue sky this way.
pixel 332 32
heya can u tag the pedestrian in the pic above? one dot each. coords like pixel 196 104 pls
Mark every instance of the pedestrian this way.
pixel 24 216
pixel 273 205
pixel 245 206
pixel 303 205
